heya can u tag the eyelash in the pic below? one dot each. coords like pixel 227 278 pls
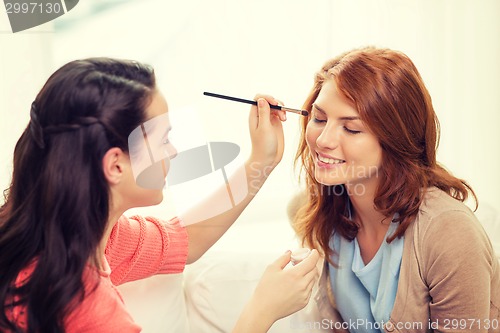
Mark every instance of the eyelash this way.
pixel 351 131
pixel 316 120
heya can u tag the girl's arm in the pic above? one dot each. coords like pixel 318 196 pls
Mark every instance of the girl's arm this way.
pixel 266 133
pixel 458 264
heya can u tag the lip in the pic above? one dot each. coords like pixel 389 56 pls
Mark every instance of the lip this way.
pixel 326 165
pixel 328 156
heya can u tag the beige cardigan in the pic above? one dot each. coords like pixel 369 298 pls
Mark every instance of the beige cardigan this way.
pixel 449 279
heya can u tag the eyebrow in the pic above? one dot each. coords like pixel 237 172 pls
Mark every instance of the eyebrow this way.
pixel 341 118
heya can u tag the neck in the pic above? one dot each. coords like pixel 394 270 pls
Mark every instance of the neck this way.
pixel 369 219
pixel 113 218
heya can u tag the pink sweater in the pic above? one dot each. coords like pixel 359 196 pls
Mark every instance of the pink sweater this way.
pixel 138 248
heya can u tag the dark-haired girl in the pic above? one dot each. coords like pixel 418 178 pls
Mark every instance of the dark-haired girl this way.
pixel 64 241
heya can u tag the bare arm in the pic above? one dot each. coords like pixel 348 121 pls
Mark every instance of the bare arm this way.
pixel 266 133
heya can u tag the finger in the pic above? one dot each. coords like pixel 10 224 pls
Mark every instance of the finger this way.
pixel 253 120
pixel 310 288
pixel 283 260
pixel 279 132
pixel 312 276
pixel 281 114
pixel 270 99
pixel 264 112
pixel 309 263
pixel 311 284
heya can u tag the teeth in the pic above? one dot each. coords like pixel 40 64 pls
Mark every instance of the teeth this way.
pixel 329 160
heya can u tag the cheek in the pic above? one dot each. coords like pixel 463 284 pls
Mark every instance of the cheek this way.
pixel 166 166
pixel 377 156
pixel 371 152
pixel 311 135
pixel 171 151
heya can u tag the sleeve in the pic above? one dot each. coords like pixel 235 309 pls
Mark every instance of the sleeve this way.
pixel 140 247
pixel 458 267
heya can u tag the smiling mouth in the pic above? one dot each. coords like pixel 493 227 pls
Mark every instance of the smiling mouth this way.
pixel 329 160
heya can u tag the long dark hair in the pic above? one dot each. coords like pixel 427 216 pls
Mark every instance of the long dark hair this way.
pixel 56 208
pixel 391 98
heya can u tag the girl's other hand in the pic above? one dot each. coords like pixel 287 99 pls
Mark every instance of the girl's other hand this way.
pixel 283 291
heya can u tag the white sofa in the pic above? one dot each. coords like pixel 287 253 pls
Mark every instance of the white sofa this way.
pixel 210 294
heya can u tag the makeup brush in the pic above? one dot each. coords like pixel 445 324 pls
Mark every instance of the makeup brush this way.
pixel 247 101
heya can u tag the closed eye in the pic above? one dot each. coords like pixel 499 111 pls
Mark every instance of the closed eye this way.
pixel 316 120
pixel 348 130
pixel 165 139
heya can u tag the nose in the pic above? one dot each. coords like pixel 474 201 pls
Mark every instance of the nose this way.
pixel 171 151
pixel 328 138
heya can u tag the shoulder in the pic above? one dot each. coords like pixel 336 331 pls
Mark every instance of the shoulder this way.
pixel 101 310
pixel 447 230
pixel 436 201
pixel 139 247
pixel 439 212
pixel 136 221
pixel 138 232
pixel 138 226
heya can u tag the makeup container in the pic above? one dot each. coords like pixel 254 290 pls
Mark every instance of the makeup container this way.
pixel 300 254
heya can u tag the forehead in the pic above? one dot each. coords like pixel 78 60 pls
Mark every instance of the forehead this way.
pixel 331 100
pixel 157 107
pixel 157 118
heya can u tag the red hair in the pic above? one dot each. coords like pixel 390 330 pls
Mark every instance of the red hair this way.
pixel 392 100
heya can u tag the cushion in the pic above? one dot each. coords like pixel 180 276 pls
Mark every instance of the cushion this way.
pixel 490 219
pixel 157 303
pixel 218 285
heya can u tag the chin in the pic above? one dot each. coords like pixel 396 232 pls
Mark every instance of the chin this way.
pixel 158 199
pixel 152 198
pixel 328 181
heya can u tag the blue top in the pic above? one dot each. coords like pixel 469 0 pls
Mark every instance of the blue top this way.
pixel 365 295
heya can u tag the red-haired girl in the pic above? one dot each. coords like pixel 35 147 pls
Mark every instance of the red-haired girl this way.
pixel 403 252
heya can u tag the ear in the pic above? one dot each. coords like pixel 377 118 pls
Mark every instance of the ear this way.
pixel 112 165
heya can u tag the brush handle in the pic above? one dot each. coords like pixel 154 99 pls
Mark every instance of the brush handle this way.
pixel 241 100
pixel 248 101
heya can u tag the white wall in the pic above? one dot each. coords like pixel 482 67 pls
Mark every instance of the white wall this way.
pixel 275 46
